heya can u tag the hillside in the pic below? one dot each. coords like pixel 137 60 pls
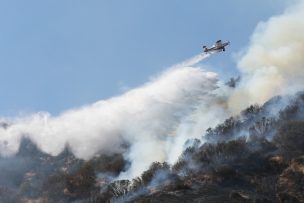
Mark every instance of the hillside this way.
pixel 257 156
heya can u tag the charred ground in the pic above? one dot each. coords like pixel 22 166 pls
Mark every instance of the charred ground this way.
pixel 257 156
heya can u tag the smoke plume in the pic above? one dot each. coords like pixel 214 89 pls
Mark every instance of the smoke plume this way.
pixel 146 118
pixel 156 119
pixel 274 61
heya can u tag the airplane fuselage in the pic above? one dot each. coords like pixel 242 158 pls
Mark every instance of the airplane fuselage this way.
pixel 218 47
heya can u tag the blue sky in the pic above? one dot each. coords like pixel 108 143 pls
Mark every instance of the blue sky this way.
pixel 61 54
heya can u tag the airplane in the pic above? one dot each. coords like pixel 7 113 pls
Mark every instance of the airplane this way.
pixel 218 47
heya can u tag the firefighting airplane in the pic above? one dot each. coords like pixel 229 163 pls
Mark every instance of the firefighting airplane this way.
pixel 218 47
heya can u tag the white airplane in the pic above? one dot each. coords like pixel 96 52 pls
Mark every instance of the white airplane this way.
pixel 218 47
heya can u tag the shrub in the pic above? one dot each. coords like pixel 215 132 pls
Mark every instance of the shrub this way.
pixel 108 163
pixel 83 182
pixel 224 131
pixel 148 175
pixel 290 137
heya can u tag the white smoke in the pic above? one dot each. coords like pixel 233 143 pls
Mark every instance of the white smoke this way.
pixel 273 64
pixel 147 118
pixel 158 117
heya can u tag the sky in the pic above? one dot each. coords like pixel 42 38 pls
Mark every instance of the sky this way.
pixel 62 54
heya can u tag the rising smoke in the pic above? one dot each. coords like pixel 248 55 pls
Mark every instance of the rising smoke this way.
pixel 157 118
pixel 274 61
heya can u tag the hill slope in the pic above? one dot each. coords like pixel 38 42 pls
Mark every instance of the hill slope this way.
pixel 257 156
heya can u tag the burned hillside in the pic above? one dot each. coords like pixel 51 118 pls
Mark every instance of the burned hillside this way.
pixel 257 156
pixel 254 157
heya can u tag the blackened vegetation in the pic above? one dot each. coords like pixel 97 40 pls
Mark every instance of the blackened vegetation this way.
pixel 254 157
pixel 257 156
pixel 35 176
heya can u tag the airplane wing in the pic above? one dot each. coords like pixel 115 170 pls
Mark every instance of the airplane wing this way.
pixel 218 43
pixel 217 47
